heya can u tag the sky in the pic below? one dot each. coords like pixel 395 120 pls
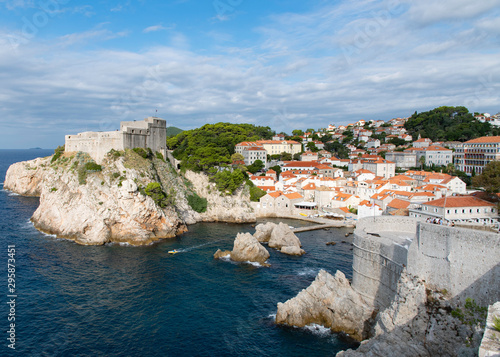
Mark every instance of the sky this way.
pixel 70 66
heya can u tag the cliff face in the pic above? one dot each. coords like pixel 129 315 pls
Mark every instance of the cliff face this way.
pixel 233 209
pixel 418 323
pixel 95 207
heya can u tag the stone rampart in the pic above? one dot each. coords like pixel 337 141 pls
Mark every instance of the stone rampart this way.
pixel 379 256
pixel 465 262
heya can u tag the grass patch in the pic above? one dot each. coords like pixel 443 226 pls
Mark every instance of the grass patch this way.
pixel 496 323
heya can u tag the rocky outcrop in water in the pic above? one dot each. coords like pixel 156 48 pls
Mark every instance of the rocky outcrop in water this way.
pixel 418 323
pixel 247 248
pixel 285 240
pixel 329 301
pixel 263 231
pixel 95 205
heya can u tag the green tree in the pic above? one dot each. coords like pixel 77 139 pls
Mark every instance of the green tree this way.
pixel 312 146
pixel 448 124
pixel 297 132
pixel 256 193
pixel 237 157
pixel 421 160
pixel 285 156
pixel 489 179
pixel 276 168
pixel 227 181
pixel 256 166
pixel 213 144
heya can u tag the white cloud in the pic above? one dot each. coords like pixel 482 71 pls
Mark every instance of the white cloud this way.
pixel 430 11
pixel 155 28
pixel 297 75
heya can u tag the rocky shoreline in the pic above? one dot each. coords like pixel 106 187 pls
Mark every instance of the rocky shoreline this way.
pixel 94 207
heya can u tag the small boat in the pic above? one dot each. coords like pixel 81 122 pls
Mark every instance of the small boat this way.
pixel 303 214
pixel 173 251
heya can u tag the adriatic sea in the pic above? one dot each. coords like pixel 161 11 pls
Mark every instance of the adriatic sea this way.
pixel 116 300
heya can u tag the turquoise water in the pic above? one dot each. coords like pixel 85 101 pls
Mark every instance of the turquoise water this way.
pixel 118 300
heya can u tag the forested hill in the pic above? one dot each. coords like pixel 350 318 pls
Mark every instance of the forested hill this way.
pixel 213 144
pixel 448 124
pixel 173 131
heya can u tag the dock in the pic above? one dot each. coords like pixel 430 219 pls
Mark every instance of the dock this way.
pixel 321 226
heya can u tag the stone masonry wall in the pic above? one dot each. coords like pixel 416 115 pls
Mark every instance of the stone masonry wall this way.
pixel 379 261
pixel 465 262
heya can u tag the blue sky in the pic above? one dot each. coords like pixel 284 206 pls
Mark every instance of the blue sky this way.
pixel 68 66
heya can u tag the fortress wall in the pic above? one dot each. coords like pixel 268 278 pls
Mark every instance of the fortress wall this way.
pixel 379 261
pixel 96 144
pixel 377 267
pixel 135 138
pixel 148 133
pixel 465 262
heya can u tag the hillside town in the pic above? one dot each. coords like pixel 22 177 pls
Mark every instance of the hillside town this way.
pixel 385 171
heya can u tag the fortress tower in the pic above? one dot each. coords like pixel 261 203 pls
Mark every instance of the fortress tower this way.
pixel 148 133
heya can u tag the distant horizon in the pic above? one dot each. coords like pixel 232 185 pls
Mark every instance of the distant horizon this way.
pixel 70 68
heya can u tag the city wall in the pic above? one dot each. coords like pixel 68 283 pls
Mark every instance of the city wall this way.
pixel 463 262
pixel 379 261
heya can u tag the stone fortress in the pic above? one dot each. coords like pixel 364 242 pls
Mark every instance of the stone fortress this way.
pixel 149 133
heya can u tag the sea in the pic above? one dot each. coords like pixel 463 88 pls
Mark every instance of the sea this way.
pixel 118 300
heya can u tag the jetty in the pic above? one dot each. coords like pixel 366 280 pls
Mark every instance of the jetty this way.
pixel 331 224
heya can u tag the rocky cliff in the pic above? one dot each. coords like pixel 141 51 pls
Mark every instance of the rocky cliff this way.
pixel 95 205
pixel 419 322
pixel 234 209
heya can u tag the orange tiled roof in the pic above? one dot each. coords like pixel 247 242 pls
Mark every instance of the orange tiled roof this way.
pixel 275 194
pixel 484 139
pixel 294 196
pixel 460 201
pixel 398 204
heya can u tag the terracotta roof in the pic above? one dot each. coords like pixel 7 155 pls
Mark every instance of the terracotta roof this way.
pixel 275 194
pixel 436 148
pixel 344 209
pixel 254 148
pixel 342 197
pixel 276 142
pixel 267 188
pixel 398 204
pixel 309 186
pixel 459 201
pixel 248 143
pixel 484 139
pixel 294 196
pixel 271 171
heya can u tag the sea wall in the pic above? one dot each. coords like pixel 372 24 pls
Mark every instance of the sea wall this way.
pixel 379 255
pixel 465 262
